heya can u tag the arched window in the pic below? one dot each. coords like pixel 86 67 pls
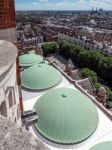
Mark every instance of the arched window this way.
pixel 18 112
pixel 15 120
pixel 3 109
pixel 10 97
pixel 14 94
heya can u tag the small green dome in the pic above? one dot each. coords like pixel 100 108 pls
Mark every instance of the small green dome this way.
pixel 30 59
pixel 66 116
pixel 40 77
pixel 103 146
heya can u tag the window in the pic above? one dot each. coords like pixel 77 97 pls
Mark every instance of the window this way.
pixel 15 120
pixel 18 112
pixel 10 97
pixel 3 109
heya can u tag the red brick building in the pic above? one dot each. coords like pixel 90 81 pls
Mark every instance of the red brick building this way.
pixel 7 20
pixel 7 14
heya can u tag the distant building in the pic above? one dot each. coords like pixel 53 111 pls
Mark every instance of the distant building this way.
pixel 101 10
pixel 7 21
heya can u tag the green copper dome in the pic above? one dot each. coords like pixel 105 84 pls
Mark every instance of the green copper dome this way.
pixel 103 146
pixel 40 77
pixel 30 59
pixel 66 116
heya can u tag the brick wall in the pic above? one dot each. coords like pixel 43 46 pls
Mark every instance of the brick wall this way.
pixel 7 14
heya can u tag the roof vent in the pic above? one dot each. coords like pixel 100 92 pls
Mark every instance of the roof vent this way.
pixel 64 96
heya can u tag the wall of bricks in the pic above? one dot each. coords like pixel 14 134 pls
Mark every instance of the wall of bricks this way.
pixel 7 14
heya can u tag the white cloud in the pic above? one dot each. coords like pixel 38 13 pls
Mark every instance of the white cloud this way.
pixel 82 2
pixel 66 5
pixel 106 4
pixel 35 3
pixel 43 0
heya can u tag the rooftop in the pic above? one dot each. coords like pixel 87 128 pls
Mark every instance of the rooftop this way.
pixel 103 146
pixel 12 137
pixel 40 77
pixel 102 133
pixel 30 59
pixel 60 119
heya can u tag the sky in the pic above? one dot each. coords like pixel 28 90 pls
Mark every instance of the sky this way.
pixel 62 4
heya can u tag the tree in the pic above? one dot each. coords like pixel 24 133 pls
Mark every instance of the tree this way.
pixel 86 72
pixel 65 48
pixel 110 96
pixel 95 58
pixel 49 48
pixel 105 68
pixel 84 59
pixel 97 86
pixel 88 59
pixel 75 53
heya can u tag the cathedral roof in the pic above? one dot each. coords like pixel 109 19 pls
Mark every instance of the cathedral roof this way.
pixel 40 77
pixel 30 59
pixel 103 146
pixel 66 116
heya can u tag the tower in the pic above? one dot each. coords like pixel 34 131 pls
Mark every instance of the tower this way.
pixel 8 32
pixel 69 67
pixel 7 21
pixel 101 96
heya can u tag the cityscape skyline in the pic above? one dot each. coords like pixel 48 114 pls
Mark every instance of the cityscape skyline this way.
pixel 63 4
